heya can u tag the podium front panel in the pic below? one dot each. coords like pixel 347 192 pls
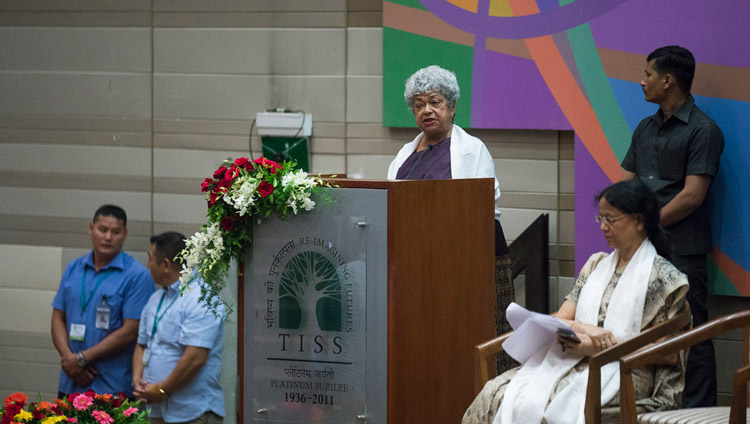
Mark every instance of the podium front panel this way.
pixel 316 313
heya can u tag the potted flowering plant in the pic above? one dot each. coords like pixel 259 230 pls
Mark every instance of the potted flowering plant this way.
pixel 238 193
pixel 79 408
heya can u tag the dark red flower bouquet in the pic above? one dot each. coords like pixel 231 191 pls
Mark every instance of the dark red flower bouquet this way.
pixel 238 193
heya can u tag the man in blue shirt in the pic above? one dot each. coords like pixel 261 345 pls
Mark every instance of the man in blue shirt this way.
pixel 96 310
pixel 177 361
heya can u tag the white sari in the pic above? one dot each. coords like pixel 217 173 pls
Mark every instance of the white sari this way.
pixel 528 392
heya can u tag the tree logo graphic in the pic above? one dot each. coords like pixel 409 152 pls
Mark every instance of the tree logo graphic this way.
pixel 309 293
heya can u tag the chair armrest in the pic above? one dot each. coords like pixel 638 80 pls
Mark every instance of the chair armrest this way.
pixel 593 406
pixel 484 355
pixel 737 413
pixel 651 354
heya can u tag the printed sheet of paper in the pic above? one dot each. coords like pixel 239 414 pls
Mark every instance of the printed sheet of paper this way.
pixel 533 331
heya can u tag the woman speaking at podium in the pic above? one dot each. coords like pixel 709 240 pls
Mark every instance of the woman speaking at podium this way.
pixel 444 151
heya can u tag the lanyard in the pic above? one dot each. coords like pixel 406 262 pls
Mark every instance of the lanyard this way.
pixel 84 300
pixel 157 317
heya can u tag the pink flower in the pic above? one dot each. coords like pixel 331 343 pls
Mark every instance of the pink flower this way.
pixel 72 420
pixel 129 411
pixel 102 417
pixel 82 402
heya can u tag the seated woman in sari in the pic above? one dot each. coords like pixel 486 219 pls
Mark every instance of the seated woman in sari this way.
pixel 615 297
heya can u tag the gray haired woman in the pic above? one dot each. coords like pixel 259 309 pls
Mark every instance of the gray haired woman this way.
pixel 444 151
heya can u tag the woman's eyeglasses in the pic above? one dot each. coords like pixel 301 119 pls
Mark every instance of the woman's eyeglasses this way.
pixel 609 220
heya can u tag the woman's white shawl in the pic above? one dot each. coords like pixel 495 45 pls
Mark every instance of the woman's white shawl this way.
pixel 469 159
pixel 528 392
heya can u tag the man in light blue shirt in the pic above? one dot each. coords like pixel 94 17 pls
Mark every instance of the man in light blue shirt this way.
pixel 177 361
pixel 96 310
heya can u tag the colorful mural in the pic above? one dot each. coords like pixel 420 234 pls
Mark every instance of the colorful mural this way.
pixel 576 65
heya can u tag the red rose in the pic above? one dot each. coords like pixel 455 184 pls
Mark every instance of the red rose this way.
pixel 90 393
pixel 232 173
pixel 220 172
pixel 211 200
pixel 268 163
pixel 244 163
pixel 223 186
pixel 56 409
pixel 116 402
pixel 227 223
pixel 72 396
pixel 206 184
pixel 265 188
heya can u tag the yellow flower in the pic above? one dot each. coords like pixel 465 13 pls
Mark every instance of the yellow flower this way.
pixel 53 420
pixel 23 416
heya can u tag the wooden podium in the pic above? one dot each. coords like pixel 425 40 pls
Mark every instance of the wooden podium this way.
pixel 440 296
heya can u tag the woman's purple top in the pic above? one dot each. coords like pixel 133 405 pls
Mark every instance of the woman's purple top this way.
pixel 430 164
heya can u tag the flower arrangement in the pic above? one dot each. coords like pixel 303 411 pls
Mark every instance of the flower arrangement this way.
pixel 238 193
pixel 78 408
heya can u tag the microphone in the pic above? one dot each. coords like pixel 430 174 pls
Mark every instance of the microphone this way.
pixel 429 147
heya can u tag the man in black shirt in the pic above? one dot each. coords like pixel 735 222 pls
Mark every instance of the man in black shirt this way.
pixel 675 152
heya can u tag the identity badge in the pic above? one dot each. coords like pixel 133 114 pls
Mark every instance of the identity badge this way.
pixel 146 357
pixel 102 314
pixel 77 332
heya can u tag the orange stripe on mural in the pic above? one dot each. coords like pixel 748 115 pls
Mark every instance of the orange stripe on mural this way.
pixel 734 272
pixel 568 95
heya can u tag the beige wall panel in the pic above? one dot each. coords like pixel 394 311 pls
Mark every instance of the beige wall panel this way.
pixel 250 51
pixel 201 141
pixel 71 203
pixel 180 208
pixel 17 303
pixel 30 267
pixel 516 220
pixel 75 49
pixel 241 97
pixel 198 164
pixel 567 176
pixel 203 126
pixel 328 164
pixel 375 146
pixel 319 145
pixel 74 123
pixel 251 20
pixel 527 175
pixel 568 227
pixel 121 139
pixel 507 150
pixel 76 19
pixel 81 159
pixel 512 199
pixel 76 5
pixel 377 130
pixel 369 167
pixel 249 5
pixel 67 180
pixel 75 94
pixel 365 51
pixel 364 99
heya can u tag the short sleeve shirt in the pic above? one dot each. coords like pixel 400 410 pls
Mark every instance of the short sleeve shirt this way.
pixel 662 154
pixel 169 323
pixel 124 285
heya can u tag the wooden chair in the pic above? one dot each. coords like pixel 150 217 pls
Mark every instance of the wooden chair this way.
pixel 484 356
pixel 736 414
